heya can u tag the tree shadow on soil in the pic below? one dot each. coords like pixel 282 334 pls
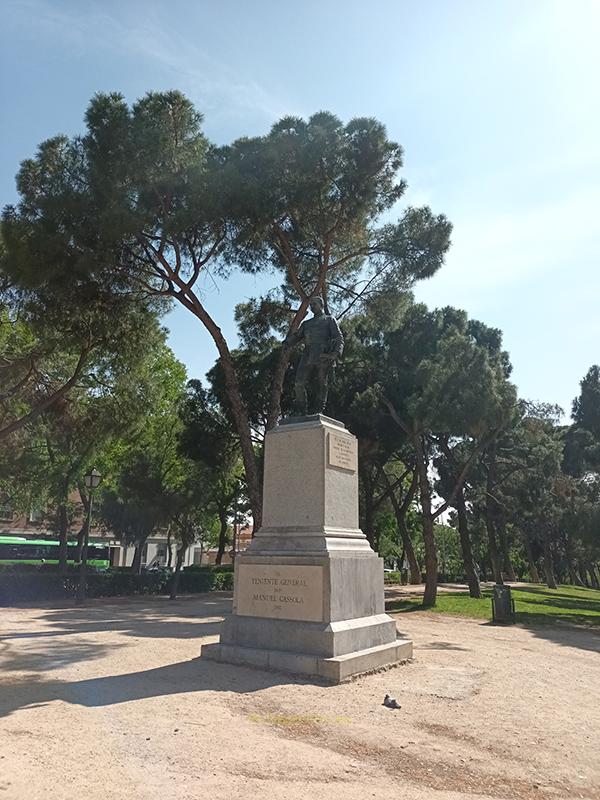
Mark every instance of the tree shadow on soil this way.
pixel 39 651
pixel 567 634
pixel 138 619
pixel 441 646
pixel 580 605
pixel 49 655
pixel 193 676
pixel 406 606
pixel 558 598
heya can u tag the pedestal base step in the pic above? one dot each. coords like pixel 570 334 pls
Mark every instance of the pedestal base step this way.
pixel 331 670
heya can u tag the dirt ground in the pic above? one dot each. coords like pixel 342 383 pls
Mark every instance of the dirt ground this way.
pixel 111 702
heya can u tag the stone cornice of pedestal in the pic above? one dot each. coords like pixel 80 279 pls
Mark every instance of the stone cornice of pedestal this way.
pixel 315 419
pixel 308 541
pixel 302 531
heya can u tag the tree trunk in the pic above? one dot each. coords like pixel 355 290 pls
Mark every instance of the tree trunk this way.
pixel 409 551
pixel 400 511
pixel 177 573
pixel 483 568
pixel 277 380
pixel 62 523
pixel 578 579
pixel 572 573
pixel 493 548
pixel 80 539
pixel 593 576
pixel 48 401
pixel 533 571
pixel 431 561
pixel 169 548
pixel 85 501
pixel 548 563
pixel 136 564
pixel 583 574
pixel 490 518
pixel 508 567
pixel 222 535
pixel 283 359
pixel 465 544
pixel 238 409
pixel 570 557
pixel 240 416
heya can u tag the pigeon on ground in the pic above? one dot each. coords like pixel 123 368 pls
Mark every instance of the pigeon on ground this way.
pixel 391 702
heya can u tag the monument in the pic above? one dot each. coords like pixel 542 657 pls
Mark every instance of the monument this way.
pixel 308 591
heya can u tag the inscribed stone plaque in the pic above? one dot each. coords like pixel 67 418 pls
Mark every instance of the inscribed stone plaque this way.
pixel 343 452
pixel 280 591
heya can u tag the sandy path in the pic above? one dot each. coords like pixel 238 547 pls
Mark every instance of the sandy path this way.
pixel 110 702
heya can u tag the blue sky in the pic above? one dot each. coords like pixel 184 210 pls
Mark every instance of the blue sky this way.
pixel 496 105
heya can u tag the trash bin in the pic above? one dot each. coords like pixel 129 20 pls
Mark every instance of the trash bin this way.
pixel 503 606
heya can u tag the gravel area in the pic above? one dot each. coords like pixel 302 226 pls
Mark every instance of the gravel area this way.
pixel 111 702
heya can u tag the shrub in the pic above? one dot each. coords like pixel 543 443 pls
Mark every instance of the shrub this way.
pixel 19 585
pixel 222 580
pixel 392 577
pixel 109 584
pixel 22 586
pixel 209 568
pixel 194 581
pixel 19 567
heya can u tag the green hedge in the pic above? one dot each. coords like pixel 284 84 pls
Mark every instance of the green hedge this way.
pixel 209 568
pixel 392 577
pixel 18 585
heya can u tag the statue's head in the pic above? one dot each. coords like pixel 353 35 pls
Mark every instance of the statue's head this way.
pixel 316 305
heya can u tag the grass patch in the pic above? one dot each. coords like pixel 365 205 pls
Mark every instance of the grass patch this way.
pixel 535 605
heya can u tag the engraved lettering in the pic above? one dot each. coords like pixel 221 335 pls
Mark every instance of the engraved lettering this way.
pixel 343 452
pixel 280 591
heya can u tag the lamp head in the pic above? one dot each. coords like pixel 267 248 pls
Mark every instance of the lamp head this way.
pixel 92 479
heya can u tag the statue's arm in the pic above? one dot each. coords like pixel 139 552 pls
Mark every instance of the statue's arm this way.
pixel 337 339
pixel 292 339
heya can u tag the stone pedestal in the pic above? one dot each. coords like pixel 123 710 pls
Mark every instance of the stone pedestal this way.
pixel 308 592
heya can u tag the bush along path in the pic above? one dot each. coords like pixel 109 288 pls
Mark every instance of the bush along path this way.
pixel 18 585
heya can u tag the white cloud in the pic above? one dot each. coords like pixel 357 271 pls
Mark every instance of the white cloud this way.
pixel 213 84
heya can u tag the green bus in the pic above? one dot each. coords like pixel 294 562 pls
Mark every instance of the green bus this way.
pixel 18 550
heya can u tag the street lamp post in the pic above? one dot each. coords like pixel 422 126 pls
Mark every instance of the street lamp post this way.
pixel 92 481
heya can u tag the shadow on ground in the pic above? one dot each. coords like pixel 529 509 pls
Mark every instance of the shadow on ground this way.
pixel 139 618
pixel 42 651
pixel 64 641
pixel 193 676
pixel 567 635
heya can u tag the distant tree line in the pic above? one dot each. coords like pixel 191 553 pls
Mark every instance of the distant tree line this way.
pixel 115 226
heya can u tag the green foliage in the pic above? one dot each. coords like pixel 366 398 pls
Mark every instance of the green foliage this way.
pixel 446 374
pixel 586 407
pixel 208 439
pixel 317 187
pixel 18 585
pixel 120 222
pixel 450 559
pixel 392 578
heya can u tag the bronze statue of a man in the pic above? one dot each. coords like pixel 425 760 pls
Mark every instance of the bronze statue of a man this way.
pixel 323 344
